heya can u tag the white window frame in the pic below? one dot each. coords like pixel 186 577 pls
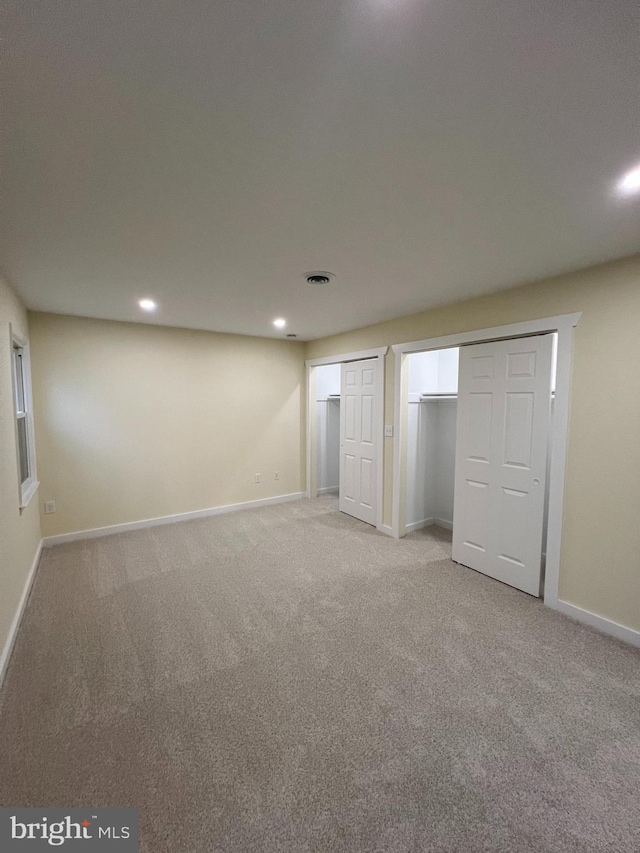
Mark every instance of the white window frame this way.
pixel 27 489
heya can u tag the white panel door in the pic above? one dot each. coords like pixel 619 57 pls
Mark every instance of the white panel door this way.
pixel 358 440
pixel 504 400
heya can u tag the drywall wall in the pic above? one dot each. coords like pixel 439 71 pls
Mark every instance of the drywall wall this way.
pixel 431 438
pixel 19 531
pixel 445 455
pixel 448 360
pixel 421 463
pixel 137 421
pixel 423 373
pixel 600 561
pixel 434 371
pixel 327 380
pixel 431 462
pixel 421 440
pixel 328 427
pixel 328 445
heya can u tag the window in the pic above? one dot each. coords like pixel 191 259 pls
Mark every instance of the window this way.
pixel 24 420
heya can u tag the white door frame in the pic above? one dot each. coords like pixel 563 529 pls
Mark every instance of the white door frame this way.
pixel 563 325
pixel 377 355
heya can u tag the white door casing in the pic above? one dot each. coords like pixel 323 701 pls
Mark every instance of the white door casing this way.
pixel 358 445
pixel 504 399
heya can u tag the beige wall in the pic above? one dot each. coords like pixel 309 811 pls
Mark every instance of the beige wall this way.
pixel 600 565
pixel 137 421
pixel 19 532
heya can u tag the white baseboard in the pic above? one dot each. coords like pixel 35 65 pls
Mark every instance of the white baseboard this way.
pixel 418 525
pixel 17 619
pixel 387 530
pixel 329 490
pixel 428 522
pixel 607 626
pixel 94 533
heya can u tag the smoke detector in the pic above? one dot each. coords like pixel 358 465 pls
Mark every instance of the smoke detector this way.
pixel 319 277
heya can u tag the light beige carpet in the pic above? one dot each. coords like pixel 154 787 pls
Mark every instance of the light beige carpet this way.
pixel 288 679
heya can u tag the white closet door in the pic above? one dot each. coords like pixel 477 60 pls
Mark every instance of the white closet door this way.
pixel 504 399
pixel 357 440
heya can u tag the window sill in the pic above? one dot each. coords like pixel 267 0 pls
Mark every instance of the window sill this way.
pixel 28 493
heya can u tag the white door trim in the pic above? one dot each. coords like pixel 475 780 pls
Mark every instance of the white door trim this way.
pixel 563 324
pixel 377 354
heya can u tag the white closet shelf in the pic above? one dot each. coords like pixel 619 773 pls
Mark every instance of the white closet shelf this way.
pixel 425 398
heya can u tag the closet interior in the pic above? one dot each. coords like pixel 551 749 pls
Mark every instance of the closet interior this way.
pixel 431 438
pixel 328 428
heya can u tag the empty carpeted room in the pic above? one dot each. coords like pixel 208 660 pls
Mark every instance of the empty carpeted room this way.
pixel 319 418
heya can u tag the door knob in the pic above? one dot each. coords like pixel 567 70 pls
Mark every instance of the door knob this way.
pixel 536 481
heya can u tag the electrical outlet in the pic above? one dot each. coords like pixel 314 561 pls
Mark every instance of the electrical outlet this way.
pixel 257 479
pixel 49 506
pixel 388 430
pixel 276 476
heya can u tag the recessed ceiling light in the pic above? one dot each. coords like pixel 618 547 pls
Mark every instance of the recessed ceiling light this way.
pixel 629 184
pixel 280 323
pixel 147 304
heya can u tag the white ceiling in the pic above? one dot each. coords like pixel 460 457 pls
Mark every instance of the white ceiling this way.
pixel 207 154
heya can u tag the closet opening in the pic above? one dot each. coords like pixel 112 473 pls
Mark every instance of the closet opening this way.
pixel 328 429
pixel 431 438
pixel 345 431
pixel 479 423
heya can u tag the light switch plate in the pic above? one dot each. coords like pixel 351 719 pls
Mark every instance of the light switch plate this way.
pixel 388 430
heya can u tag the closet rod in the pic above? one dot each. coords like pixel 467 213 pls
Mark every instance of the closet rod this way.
pixel 426 398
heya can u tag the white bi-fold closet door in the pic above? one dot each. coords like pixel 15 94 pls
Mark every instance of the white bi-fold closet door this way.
pixel 358 443
pixel 504 399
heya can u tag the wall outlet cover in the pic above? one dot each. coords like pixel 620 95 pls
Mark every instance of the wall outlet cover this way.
pixel 388 430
